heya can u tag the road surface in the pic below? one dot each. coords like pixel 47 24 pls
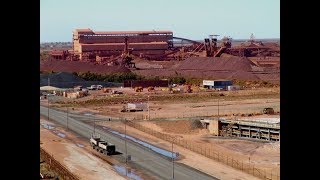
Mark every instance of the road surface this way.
pixel 144 159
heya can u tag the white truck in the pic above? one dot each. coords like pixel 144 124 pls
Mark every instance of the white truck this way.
pixel 136 106
pixel 102 146
pixel 92 87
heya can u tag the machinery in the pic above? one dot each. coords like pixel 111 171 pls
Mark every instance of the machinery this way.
pixel 188 88
pixel 268 110
pixel 102 146
pixel 150 88
pixel 126 56
pixel 211 47
pixel 138 89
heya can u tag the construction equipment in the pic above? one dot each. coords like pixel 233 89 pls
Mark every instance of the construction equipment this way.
pixel 106 90
pixel 188 88
pixel 126 56
pixel 268 110
pixel 116 92
pixel 138 89
pixel 150 88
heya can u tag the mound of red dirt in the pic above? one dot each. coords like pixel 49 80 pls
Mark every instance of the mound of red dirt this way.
pixel 76 66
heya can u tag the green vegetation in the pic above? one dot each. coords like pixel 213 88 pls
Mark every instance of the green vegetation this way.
pixel 116 77
pixel 121 77
pixel 255 83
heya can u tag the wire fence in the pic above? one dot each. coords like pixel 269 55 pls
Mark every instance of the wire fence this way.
pixel 208 151
pixel 56 166
pixel 239 112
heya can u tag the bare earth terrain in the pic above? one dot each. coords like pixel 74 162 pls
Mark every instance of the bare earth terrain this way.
pixel 262 155
pixel 72 152
pixel 170 114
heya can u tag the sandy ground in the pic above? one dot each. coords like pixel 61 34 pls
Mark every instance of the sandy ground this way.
pixel 77 159
pixel 262 154
pixel 160 110
pixel 189 158
pixel 172 108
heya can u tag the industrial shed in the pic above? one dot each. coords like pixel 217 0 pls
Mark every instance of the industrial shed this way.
pixel 217 84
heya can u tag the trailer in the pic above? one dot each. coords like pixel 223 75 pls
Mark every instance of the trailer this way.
pixel 102 146
pixel 106 148
pixel 136 107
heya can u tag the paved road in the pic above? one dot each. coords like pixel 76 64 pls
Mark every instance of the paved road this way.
pixel 150 162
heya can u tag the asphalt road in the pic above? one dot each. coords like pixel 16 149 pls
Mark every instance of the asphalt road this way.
pixel 151 163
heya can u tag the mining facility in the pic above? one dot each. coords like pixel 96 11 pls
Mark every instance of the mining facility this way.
pixel 90 45
pixel 107 46
pixel 149 53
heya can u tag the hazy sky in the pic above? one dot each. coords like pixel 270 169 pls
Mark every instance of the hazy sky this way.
pixel 193 19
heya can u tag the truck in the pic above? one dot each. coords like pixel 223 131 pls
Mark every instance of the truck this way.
pixel 93 87
pixel 102 146
pixel 132 107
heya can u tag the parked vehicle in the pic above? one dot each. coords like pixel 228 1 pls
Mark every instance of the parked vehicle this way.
pixel 116 92
pixel 93 87
pixel 132 107
pixel 78 88
pixel 99 87
pixel 268 110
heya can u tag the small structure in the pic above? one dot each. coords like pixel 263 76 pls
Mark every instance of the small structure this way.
pixel 216 84
pixel 268 130
pixel 212 125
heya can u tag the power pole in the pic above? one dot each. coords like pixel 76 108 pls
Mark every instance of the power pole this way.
pixel 148 109
pixel 125 139
pixel 48 107
pixel 94 126
pixel 125 143
pixel 172 162
pixel 67 118
pixel 218 109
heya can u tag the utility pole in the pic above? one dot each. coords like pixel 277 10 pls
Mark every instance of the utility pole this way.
pixel 94 125
pixel 48 96
pixel 218 109
pixel 172 162
pixel 125 139
pixel 48 107
pixel 148 109
pixel 67 118
pixel 125 143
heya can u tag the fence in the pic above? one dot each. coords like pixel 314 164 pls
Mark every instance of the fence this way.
pixel 209 152
pixel 223 111
pixel 56 166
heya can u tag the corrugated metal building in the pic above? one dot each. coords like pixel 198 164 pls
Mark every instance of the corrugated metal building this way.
pixel 216 84
pixel 142 43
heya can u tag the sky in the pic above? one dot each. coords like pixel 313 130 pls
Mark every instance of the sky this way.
pixel 191 19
